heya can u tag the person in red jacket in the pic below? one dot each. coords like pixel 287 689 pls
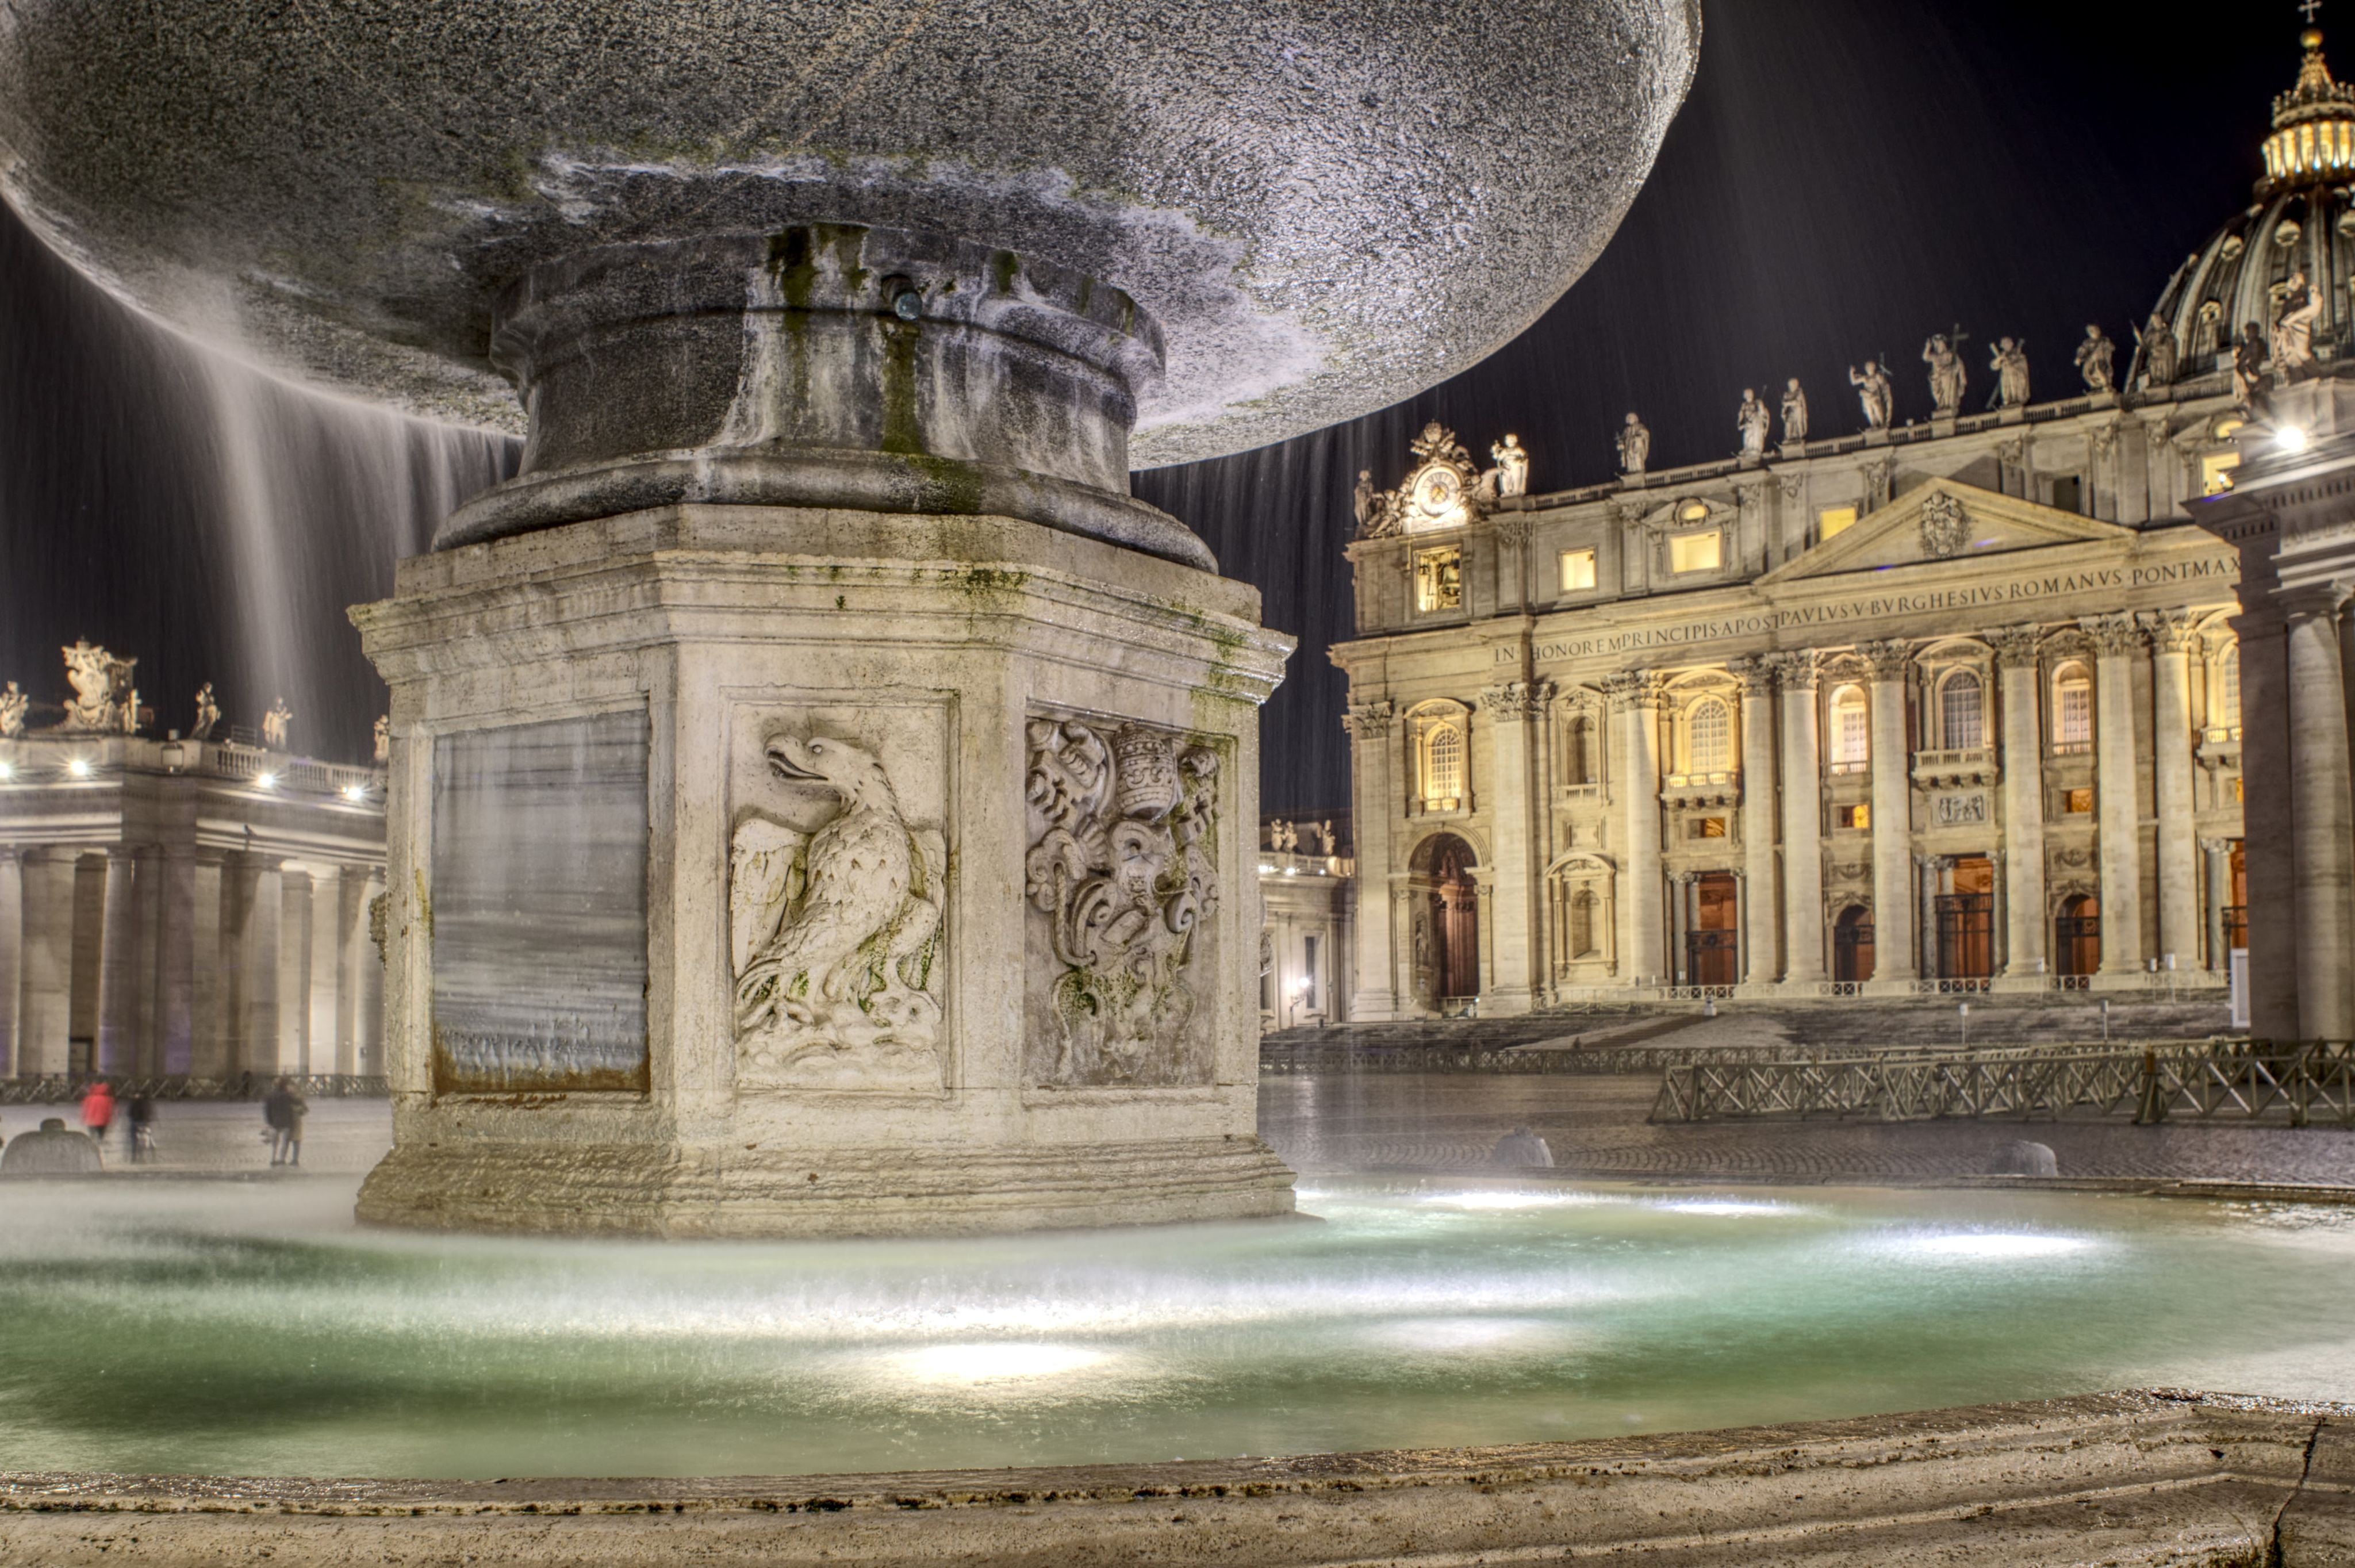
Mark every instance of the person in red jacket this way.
pixel 98 1110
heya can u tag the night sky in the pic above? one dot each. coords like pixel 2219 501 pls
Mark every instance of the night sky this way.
pixel 1848 176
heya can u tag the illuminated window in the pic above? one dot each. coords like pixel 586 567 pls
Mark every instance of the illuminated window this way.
pixel 1834 520
pixel 1693 512
pixel 2080 802
pixel 1854 817
pixel 1707 732
pixel 1694 552
pixel 1577 570
pixel 1707 827
pixel 2236 792
pixel 1442 765
pixel 1961 713
pixel 1851 727
pixel 1439 579
pixel 2216 472
pixel 2230 703
pixel 2073 707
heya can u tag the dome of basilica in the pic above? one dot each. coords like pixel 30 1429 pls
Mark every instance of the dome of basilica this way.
pixel 2302 220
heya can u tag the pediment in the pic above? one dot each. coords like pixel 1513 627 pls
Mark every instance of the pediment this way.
pixel 1945 521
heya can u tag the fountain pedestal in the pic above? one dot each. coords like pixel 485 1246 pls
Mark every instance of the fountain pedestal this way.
pixel 764 872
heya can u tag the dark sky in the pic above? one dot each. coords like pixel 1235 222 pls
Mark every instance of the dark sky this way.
pixel 1847 177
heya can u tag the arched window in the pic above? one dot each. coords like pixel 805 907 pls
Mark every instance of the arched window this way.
pixel 2072 706
pixel 1851 726
pixel 2230 700
pixel 1578 763
pixel 1581 922
pixel 1707 733
pixel 1442 770
pixel 1962 718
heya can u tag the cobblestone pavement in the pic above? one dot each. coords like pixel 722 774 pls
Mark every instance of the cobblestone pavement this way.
pixel 225 1135
pixel 1595 1126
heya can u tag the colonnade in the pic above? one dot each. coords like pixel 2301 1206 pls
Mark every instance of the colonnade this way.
pixel 144 959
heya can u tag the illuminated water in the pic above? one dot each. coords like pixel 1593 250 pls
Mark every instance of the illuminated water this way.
pixel 233 1329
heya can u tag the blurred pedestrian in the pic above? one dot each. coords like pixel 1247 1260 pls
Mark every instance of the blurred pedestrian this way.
pixel 283 1109
pixel 98 1110
pixel 142 1128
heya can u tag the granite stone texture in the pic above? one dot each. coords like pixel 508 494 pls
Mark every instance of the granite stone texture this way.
pixel 842 714
pixel 1326 207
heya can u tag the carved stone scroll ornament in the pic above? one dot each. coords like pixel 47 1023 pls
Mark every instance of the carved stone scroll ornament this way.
pixel 835 932
pixel 1518 699
pixel 2015 646
pixel 1890 660
pixel 1123 866
pixel 1796 668
pixel 1945 529
pixel 1366 719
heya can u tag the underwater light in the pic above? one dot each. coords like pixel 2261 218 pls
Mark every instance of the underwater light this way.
pixel 993 1363
pixel 1999 1244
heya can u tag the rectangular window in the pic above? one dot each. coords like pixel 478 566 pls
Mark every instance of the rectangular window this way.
pixel 1577 570
pixel 2216 472
pixel 1695 552
pixel 1439 579
pixel 2069 493
pixel 2074 725
pixel 1706 828
pixel 2080 802
pixel 1857 816
pixel 1833 521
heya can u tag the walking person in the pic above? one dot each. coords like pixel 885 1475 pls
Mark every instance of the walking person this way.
pixel 142 1129
pixel 98 1110
pixel 282 1109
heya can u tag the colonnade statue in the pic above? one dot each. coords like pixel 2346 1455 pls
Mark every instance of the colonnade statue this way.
pixel 1949 377
pixel 1795 413
pixel 1634 446
pixel 1872 390
pixel 2010 366
pixel 2095 358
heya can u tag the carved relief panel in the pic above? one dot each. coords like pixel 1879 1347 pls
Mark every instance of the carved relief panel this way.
pixel 837 893
pixel 1122 883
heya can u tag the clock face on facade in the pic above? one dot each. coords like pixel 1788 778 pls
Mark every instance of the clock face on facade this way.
pixel 1437 499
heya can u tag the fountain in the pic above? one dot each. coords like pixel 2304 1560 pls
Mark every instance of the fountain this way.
pixel 821 798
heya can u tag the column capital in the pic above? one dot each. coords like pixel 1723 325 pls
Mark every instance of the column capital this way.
pixel 2307 600
pixel 2169 630
pixel 1889 659
pixel 2015 646
pixel 1517 698
pixel 2214 846
pixel 1366 719
pixel 2116 636
pixel 1755 672
pixel 1633 687
pixel 1795 669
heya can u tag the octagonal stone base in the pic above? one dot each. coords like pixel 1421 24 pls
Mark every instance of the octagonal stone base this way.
pixel 762 872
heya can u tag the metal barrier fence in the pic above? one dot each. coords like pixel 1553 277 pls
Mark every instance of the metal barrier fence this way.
pixel 59 1089
pixel 2301 1084
pixel 1291 1059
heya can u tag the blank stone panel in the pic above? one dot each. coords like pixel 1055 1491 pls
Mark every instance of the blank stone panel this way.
pixel 538 919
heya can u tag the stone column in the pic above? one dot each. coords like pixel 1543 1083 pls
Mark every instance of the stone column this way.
pixel 1932 873
pixel 1760 966
pixel 1513 707
pixel 176 961
pixel 12 938
pixel 211 966
pixel 1635 695
pixel 352 950
pixel 324 973
pixel 2117 788
pixel 368 1031
pixel 2000 927
pixel 2171 745
pixel 45 991
pixel 1803 825
pixel 1378 799
pixel 2266 796
pixel 1680 922
pixel 2323 814
pixel 295 971
pixel 254 1011
pixel 118 967
pixel 2022 759
pixel 1893 938
pixel 2219 873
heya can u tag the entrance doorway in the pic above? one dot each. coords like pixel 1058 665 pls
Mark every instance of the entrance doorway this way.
pixel 1967 922
pixel 2077 935
pixel 1713 946
pixel 1852 945
pixel 1447 923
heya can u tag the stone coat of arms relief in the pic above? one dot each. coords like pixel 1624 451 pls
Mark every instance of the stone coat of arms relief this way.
pixel 834 902
pixel 1121 879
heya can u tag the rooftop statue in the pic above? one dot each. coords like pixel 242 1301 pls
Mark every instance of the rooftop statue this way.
pixel 275 725
pixel 1949 377
pixel 2094 357
pixel 1512 470
pixel 104 697
pixel 208 713
pixel 2158 351
pixel 2249 367
pixel 1752 422
pixel 382 734
pixel 2010 366
pixel 1873 391
pixel 2296 307
pixel 13 704
pixel 1634 446
pixel 1795 413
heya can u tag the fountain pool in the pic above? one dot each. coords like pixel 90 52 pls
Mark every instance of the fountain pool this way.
pixel 204 1328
